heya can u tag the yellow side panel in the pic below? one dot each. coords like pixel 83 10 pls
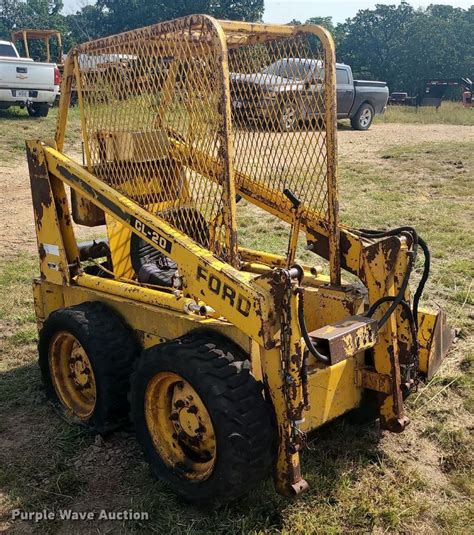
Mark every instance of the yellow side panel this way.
pixel 332 392
pixel 324 306
pixel 434 340
pixel 119 240
pixel 152 323
pixel 426 327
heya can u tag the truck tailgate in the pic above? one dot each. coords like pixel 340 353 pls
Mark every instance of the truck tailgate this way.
pixel 24 74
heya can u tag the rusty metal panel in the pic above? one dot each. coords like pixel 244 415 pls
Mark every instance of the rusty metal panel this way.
pixel 325 305
pixel 84 212
pixel 57 248
pixel 373 381
pixel 345 338
pixel 434 338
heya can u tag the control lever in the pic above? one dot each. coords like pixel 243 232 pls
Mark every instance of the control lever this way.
pixel 292 198
pixel 295 226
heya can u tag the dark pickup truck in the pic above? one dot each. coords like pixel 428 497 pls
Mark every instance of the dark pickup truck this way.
pixel 283 94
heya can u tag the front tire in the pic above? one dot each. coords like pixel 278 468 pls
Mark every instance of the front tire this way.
pixel 86 356
pixel 363 118
pixel 201 418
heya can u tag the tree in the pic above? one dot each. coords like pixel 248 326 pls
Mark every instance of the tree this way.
pixel 37 14
pixel 115 16
pixel 247 10
pixel 12 12
pixel 395 43
pixel 325 22
pixel 87 24
pixel 41 14
pixel 441 45
pixel 404 46
pixel 374 42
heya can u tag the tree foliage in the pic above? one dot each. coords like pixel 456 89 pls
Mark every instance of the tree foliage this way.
pixel 36 14
pixel 108 17
pixel 396 43
pixel 403 46
pixel 40 14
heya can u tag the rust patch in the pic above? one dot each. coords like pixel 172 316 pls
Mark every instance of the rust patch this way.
pixel 345 338
pixel 42 252
pixel 390 252
pixel 40 186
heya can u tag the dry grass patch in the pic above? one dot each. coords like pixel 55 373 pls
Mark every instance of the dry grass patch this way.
pixel 18 126
pixel 448 113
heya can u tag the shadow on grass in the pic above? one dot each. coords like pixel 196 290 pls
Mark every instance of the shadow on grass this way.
pixel 14 114
pixel 47 463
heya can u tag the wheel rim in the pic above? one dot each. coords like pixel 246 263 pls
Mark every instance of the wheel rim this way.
pixel 288 117
pixel 72 375
pixel 180 426
pixel 365 117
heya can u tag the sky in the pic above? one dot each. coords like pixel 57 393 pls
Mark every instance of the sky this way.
pixel 282 11
pixel 285 10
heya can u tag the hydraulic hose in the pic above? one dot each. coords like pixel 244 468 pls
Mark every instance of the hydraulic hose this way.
pixel 424 278
pixel 403 304
pixel 426 267
pixel 395 301
pixel 401 292
pixel 304 331
pixel 410 317
pixel 399 298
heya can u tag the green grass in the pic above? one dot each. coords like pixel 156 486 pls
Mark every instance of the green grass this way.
pixel 448 113
pixel 18 126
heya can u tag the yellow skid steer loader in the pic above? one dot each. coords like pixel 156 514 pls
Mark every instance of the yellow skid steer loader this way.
pixel 225 357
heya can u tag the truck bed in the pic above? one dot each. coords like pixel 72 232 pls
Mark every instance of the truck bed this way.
pixel 369 83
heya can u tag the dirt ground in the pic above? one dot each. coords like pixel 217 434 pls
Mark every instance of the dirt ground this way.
pixel 17 232
pixel 112 471
pixel 379 136
pixel 16 221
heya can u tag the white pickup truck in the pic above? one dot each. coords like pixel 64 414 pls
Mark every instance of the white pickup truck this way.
pixel 26 83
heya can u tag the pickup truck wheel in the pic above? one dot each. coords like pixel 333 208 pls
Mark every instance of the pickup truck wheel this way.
pixel 38 110
pixel 363 118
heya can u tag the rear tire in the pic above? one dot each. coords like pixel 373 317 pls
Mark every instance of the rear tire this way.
pixel 38 110
pixel 363 118
pixel 234 438
pixel 86 356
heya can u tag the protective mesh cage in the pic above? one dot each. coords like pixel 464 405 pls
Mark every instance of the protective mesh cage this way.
pixel 157 104
pixel 150 102
pixel 278 106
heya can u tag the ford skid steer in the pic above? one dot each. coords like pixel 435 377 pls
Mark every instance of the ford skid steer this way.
pixel 224 357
